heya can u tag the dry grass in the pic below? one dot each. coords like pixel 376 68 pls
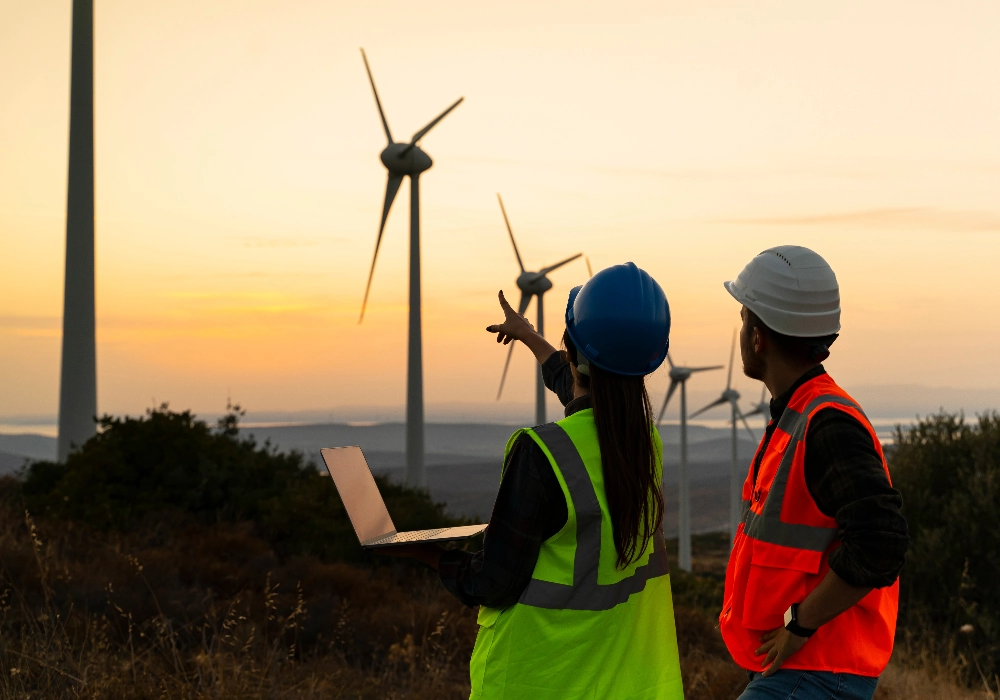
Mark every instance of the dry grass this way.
pixel 177 610
pixel 210 613
pixel 920 670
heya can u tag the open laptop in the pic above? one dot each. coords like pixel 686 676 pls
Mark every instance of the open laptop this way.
pixel 366 509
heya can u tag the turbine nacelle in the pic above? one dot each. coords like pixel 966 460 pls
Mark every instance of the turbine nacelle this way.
pixel 680 374
pixel 533 283
pixel 405 159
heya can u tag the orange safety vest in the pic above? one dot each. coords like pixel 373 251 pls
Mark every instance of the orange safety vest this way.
pixel 781 552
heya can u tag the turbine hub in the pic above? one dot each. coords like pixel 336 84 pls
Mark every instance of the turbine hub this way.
pixel 731 395
pixel 533 283
pixel 399 161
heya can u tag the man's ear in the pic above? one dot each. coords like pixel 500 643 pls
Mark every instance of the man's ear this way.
pixel 757 341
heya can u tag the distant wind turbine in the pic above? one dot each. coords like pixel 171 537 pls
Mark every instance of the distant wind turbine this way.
pixel 732 397
pixel 762 408
pixel 679 377
pixel 402 159
pixel 531 284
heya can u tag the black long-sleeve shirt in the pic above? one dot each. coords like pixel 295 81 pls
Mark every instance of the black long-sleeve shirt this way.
pixel 843 473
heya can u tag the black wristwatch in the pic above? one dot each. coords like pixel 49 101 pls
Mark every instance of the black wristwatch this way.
pixel 792 622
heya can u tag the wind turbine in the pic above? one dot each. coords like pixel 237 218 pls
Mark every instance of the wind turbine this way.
pixel 402 159
pixel 531 284
pixel 732 397
pixel 679 377
pixel 762 408
pixel 78 376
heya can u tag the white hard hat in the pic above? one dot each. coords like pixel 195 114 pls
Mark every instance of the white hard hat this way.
pixel 792 290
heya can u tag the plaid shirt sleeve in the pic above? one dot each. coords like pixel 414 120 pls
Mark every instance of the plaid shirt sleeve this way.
pixel 845 477
pixel 529 508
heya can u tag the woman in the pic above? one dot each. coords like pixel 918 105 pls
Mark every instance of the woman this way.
pixel 572 582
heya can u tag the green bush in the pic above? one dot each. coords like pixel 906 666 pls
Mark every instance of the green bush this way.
pixel 166 462
pixel 949 475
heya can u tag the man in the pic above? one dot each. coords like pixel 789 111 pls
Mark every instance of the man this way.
pixel 812 584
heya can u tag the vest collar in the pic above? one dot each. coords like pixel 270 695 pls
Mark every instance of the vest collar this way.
pixel 779 404
pixel 578 404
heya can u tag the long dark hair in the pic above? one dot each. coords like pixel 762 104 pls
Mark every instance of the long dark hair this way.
pixel 624 419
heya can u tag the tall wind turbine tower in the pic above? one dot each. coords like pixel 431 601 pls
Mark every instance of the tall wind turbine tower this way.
pixel 679 377
pixel 736 475
pixel 531 284
pixel 78 378
pixel 407 159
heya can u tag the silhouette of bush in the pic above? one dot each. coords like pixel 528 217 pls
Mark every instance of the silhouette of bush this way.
pixel 949 475
pixel 136 469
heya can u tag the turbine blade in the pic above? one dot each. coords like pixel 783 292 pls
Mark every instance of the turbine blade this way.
pixel 754 412
pixel 550 268
pixel 423 132
pixel 718 402
pixel 522 305
pixel 391 188
pixel 704 369
pixel 666 400
pixel 503 211
pixel 503 377
pixel 763 388
pixel 732 356
pixel 589 270
pixel 670 360
pixel 378 102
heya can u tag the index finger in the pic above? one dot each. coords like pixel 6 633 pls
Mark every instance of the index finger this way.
pixel 504 304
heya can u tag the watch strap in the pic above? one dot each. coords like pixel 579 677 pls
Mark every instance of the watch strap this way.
pixel 793 625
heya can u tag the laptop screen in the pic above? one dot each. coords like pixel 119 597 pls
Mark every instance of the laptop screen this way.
pixel 354 480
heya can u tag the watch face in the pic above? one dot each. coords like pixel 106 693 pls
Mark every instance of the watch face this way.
pixel 788 616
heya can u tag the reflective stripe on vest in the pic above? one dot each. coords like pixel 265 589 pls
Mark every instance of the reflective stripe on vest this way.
pixel 586 593
pixel 767 526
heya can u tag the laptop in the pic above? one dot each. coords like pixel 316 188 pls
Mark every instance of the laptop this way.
pixel 366 509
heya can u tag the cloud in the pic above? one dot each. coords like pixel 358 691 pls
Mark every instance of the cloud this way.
pixel 930 219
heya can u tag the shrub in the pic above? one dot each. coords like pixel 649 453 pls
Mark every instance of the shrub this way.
pixel 138 469
pixel 949 475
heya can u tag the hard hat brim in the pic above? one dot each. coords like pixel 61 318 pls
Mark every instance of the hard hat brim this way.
pixel 764 314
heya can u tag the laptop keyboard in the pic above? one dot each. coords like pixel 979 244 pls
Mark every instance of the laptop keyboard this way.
pixel 409 536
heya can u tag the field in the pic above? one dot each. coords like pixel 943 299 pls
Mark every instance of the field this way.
pixel 184 610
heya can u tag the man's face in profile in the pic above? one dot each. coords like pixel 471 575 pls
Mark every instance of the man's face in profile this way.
pixel 753 364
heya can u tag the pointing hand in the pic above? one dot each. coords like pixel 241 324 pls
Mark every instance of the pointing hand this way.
pixel 514 327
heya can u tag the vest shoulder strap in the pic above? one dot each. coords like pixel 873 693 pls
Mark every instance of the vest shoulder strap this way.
pixel 587 593
pixel 767 526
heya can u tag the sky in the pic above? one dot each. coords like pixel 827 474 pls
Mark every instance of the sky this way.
pixel 238 187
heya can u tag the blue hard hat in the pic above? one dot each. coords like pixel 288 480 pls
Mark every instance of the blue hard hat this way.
pixel 620 320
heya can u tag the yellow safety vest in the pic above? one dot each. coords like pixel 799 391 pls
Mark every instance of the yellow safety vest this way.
pixel 582 628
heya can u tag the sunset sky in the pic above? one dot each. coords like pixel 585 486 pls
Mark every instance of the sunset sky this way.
pixel 239 186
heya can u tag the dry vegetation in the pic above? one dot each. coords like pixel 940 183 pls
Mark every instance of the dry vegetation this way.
pixel 190 611
pixel 167 559
pixel 184 610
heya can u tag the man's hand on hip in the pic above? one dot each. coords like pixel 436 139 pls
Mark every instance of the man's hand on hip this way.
pixel 778 644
